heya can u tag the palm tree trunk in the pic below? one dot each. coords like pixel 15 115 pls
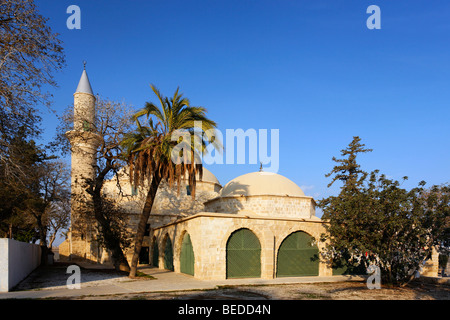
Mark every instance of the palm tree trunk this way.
pixel 143 222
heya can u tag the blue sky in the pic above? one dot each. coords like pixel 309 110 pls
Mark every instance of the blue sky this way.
pixel 311 69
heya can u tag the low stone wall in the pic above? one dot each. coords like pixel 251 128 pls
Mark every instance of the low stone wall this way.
pixel 446 270
pixel 431 267
pixel 17 260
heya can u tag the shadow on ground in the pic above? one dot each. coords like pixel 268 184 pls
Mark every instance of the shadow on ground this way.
pixel 225 294
pixel 56 276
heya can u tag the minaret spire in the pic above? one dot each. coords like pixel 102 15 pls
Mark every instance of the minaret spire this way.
pixel 84 86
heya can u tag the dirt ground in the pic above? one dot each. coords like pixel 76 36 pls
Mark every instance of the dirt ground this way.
pixel 55 277
pixel 313 291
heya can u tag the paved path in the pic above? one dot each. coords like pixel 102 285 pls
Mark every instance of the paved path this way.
pixel 165 281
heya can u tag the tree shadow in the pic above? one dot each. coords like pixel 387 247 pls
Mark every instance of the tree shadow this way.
pixel 56 276
pixel 417 290
pixel 427 289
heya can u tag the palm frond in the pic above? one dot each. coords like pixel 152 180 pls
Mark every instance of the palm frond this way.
pixel 149 149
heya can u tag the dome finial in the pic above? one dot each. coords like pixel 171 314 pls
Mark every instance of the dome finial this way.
pixel 260 167
pixel 84 64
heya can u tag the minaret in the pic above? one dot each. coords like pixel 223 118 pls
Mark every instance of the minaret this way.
pixel 84 142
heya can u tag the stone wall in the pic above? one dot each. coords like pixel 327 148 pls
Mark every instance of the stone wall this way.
pixel 446 269
pixel 168 207
pixel 64 250
pixel 431 267
pixel 263 205
pixel 209 234
pixel 84 111
pixel 168 200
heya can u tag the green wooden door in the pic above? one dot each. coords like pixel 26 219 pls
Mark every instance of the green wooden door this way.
pixel 168 255
pixel 187 256
pixel 155 256
pixel 297 256
pixel 243 255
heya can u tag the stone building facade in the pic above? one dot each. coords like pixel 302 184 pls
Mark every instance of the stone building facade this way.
pixel 260 224
pixel 209 233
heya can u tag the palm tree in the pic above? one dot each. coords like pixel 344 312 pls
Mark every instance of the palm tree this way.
pixel 168 148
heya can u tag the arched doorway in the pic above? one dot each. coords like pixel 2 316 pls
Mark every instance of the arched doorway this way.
pixel 187 260
pixel 144 255
pixel 298 256
pixel 168 254
pixel 155 253
pixel 243 255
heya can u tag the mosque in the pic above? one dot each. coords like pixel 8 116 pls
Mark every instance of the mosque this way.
pixel 258 225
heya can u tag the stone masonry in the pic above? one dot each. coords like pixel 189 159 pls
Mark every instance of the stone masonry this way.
pixel 209 233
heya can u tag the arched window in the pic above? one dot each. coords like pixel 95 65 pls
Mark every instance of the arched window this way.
pixel 243 255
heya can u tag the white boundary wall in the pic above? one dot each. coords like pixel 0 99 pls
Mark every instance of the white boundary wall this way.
pixel 17 260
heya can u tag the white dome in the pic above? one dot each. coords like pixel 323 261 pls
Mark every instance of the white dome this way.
pixel 261 183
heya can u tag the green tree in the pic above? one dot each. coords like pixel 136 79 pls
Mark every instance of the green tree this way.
pixel 22 157
pixel 168 148
pixel 344 209
pixel 436 201
pixel 375 221
pixel 348 170
pixel 31 192
pixel 30 53
pixel 41 204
